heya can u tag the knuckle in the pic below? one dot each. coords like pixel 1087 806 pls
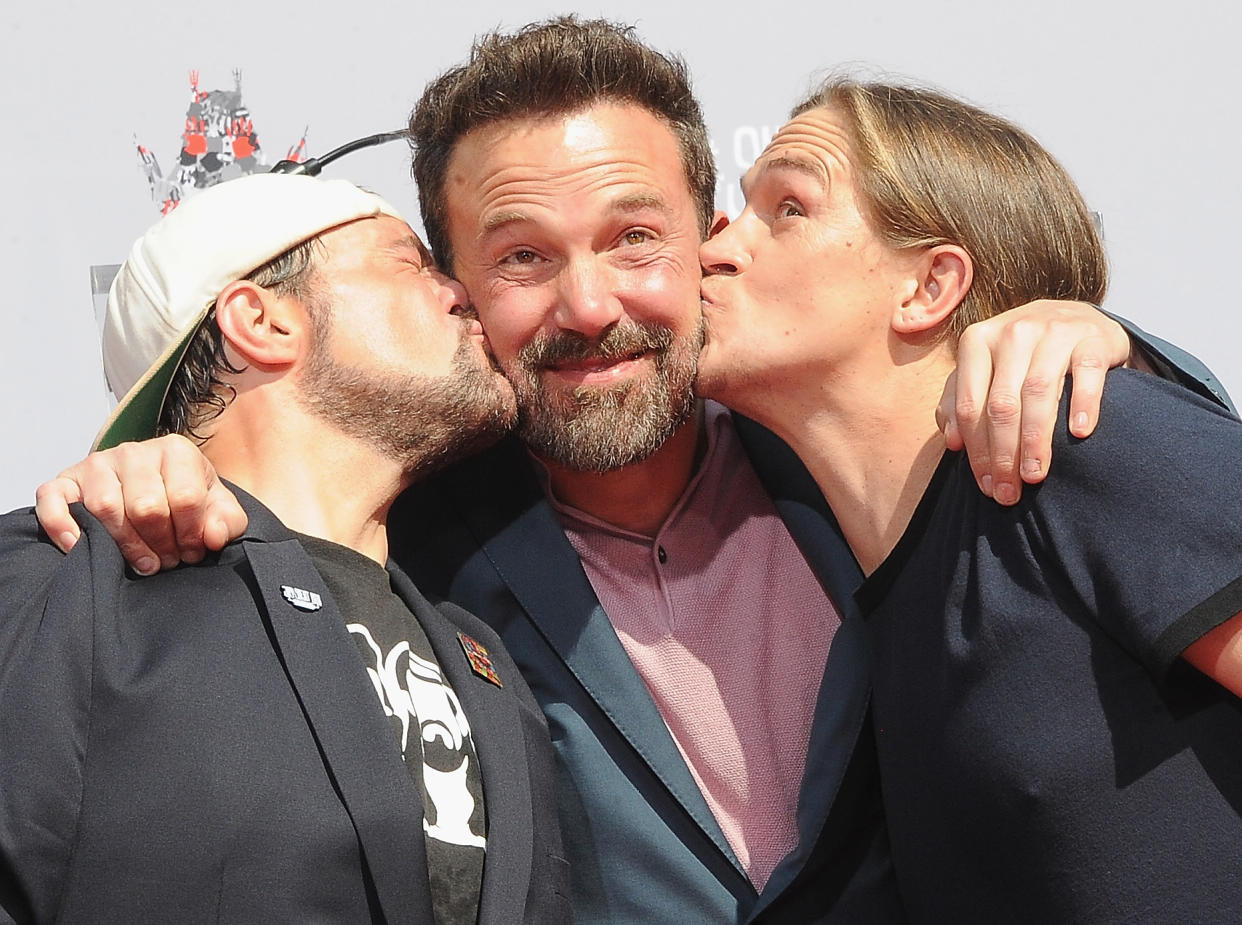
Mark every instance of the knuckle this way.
pixel 108 507
pixel 1034 438
pixel 146 509
pixel 177 446
pixel 972 337
pixel 1020 331
pixel 1003 462
pixel 123 451
pixel 49 491
pixel 967 409
pixel 1037 385
pixel 126 458
pixel 1003 408
pixel 185 498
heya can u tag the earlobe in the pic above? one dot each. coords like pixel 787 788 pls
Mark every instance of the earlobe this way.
pixel 942 279
pixel 261 327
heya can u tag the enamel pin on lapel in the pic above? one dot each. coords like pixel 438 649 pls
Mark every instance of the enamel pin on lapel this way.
pixel 480 661
pixel 302 599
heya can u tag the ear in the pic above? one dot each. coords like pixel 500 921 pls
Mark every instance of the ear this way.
pixel 265 329
pixel 720 221
pixel 941 279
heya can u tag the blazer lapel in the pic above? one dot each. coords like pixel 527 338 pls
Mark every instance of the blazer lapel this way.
pixel 513 519
pixel 495 727
pixel 358 747
pixel 841 708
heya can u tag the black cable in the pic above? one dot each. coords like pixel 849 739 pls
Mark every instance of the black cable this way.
pixel 312 166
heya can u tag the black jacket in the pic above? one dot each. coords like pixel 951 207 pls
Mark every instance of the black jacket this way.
pixel 193 748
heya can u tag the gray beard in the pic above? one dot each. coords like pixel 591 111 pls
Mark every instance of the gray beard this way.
pixel 422 422
pixel 590 429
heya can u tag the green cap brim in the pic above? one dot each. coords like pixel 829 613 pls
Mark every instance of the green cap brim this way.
pixel 137 415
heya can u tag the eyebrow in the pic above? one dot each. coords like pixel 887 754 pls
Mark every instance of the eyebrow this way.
pixel 639 202
pixel 500 219
pixel 642 202
pixel 804 165
pixel 412 242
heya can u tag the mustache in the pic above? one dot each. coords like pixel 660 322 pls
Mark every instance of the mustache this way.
pixel 618 342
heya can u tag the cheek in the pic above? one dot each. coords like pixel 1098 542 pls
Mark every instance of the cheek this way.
pixel 665 294
pixel 511 317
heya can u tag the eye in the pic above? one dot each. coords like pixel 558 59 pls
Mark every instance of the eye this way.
pixel 789 208
pixel 637 236
pixel 521 257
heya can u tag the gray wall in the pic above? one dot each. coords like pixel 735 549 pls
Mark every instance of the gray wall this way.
pixel 1141 107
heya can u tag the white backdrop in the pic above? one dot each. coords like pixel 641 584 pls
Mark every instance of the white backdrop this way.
pixel 1141 107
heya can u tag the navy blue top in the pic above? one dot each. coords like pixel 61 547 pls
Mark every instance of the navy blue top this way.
pixel 1045 755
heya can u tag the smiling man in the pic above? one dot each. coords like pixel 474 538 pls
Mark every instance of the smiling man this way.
pixel 208 742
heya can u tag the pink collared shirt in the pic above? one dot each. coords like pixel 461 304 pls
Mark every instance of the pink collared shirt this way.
pixel 729 629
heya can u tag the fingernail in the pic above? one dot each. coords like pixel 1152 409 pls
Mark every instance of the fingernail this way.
pixel 1032 466
pixel 147 565
pixel 67 539
pixel 1080 421
pixel 1005 493
pixel 987 485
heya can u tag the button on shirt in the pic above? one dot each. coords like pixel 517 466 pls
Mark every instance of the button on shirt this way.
pixel 729 629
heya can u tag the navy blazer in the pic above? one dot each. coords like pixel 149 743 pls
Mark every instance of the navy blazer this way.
pixel 193 748
pixel 642 843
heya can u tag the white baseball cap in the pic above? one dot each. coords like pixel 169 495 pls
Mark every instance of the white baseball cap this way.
pixel 175 271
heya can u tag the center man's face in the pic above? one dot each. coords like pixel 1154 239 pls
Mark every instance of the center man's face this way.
pixel 577 238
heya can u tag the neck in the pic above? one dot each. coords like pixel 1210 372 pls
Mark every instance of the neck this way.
pixel 871 444
pixel 315 479
pixel 640 496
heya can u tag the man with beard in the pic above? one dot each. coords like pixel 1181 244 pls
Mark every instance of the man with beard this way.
pixel 666 575
pixel 208 744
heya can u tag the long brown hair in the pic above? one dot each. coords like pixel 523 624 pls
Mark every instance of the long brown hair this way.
pixel 930 169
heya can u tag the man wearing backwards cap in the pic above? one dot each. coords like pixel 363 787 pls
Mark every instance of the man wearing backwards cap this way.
pixel 208 744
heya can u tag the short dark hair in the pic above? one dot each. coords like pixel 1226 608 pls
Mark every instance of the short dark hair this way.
pixel 198 392
pixel 558 66
pixel 931 169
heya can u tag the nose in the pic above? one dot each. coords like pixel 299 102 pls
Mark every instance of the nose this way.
pixel 452 293
pixel 587 300
pixel 724 253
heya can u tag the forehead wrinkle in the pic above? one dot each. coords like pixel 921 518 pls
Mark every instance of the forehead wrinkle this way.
pixel 807 166
pixel 624 203
pixel 560 172
pixel 818 130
